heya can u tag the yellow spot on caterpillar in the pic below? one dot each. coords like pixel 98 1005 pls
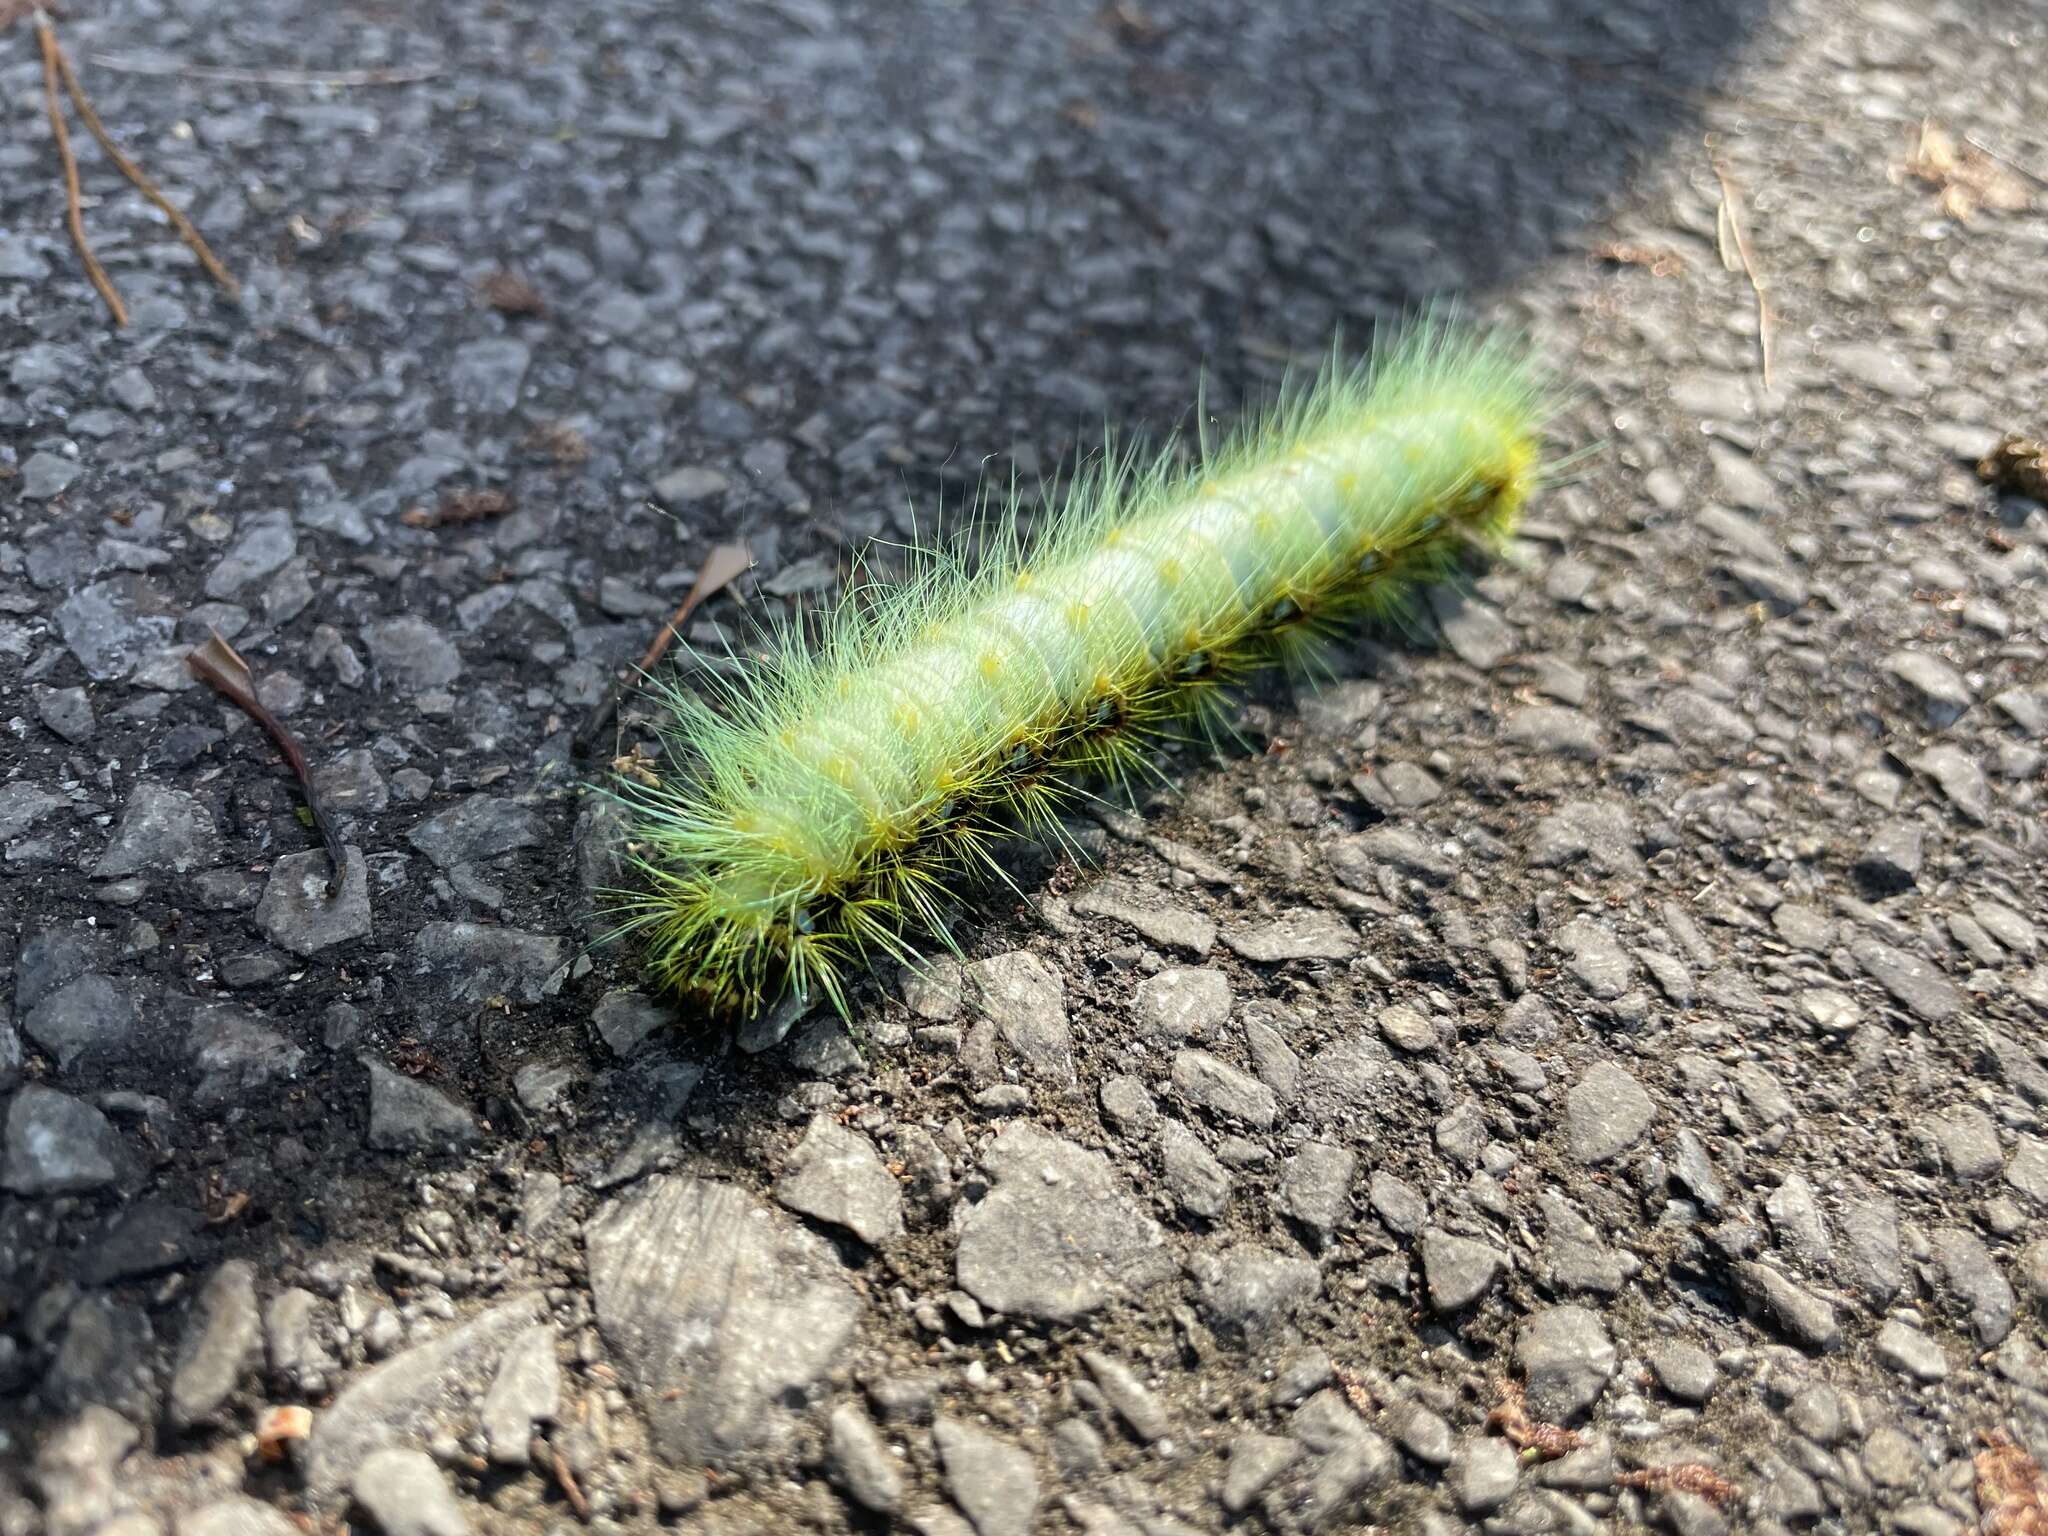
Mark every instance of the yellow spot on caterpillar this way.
pixel 788 737
pixel 1116 538
pixel 1026 580
pixel 1170 572
pixel 1104 685
pixel 991 665
pixel 1206 490
pixel 1266 523
pixel 1347 484
pixel 1518 477
pixel 907 719
pixel 1077 615
pixel 1411 454
pixel 839 769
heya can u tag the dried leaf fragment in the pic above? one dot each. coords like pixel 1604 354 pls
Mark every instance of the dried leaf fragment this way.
pixel 1131 25
pixel 2009 1492
pixel 1694 1477
pixel 471 506
pixel 2018 466
pixel 1511 1418
pixel 1657 260
pixel 229 1209
pixel 560 442
pixel 638 766
pixel 1967 177
pixel 280 1426
pixel 510 294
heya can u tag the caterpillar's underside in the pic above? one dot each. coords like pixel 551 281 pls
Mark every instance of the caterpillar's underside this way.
pixel 829 806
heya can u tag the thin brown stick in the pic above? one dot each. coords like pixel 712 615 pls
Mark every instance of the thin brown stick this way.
pixel 1732 221
pixel 295 78
pixel 570 1490
pixel 220 665
pixel 143 184
pixel 724 565
pixel 74 214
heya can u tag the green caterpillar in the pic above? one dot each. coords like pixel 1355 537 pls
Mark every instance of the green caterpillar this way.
pixel 828 807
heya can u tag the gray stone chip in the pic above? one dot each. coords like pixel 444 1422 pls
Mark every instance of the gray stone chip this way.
pixel 1058 1237
pixel 526 1391
pixel 993 1481
pixel 1606 1112
pixel 1566 1359
pixel 835 1176
pixel 57 1145
pixel 223 1343
pixel 403 1400
pixel 1302 934
pixel 861 1463
pixel 1223 1090
pixel 298 914
pixel 161 829
pixel 409 1116
pixel 723 1350
pixel 406 1495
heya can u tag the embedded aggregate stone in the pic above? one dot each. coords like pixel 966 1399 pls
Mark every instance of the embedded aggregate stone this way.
pixel 1058 1236
pixel 728 1348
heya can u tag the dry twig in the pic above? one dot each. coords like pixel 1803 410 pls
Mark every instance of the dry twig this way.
pixel 217 663
pixel 724 565
pixel 570 1488
pixel 143 184
pixel 46 39
pixel 1733 239
pixel 209 75
pixel 56 67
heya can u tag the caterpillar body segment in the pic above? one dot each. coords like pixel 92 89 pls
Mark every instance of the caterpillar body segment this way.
pixel 829 807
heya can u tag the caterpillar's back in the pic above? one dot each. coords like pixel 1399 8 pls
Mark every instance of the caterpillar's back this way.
pixel 825 808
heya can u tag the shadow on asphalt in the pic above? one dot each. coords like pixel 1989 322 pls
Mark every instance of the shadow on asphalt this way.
pixel 1293 168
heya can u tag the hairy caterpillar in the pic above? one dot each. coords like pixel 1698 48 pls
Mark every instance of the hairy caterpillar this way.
pixel 825 808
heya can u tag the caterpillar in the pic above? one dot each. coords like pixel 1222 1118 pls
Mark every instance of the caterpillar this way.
pixel 830 803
